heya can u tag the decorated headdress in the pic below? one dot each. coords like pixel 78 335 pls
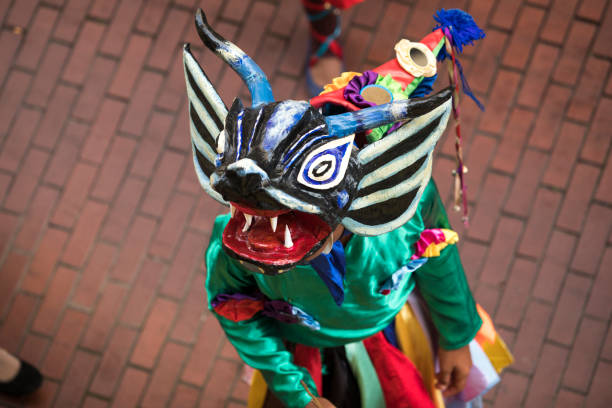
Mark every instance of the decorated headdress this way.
pixel 292 171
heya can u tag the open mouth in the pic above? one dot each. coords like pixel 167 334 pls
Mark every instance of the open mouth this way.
pixel 277 239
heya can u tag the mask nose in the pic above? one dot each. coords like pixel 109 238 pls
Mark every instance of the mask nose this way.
pixel 243 182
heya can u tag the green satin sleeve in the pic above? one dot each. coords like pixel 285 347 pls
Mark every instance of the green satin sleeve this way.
pixel 256 340
pixel 443 285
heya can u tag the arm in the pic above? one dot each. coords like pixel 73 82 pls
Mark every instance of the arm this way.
pixel 255 339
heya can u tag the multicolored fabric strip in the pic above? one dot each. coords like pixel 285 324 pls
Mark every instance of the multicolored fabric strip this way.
pixel 239 307
pixel 432 241
pixel 394 281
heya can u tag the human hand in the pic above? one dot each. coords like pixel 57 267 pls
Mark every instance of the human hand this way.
pixel 319 403
pixel 455 366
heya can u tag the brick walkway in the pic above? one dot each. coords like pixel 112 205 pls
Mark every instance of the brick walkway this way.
pixel 102 223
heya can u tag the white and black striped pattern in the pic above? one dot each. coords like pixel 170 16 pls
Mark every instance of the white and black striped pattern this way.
pixel 207 114
pixel 395 172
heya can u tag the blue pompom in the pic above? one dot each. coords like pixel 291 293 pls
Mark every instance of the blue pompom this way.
pixel 461 25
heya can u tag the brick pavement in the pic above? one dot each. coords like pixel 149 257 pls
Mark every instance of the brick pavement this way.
pixel 102 223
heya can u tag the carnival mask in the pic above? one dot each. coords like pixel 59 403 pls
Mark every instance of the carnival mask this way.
pixel 291 174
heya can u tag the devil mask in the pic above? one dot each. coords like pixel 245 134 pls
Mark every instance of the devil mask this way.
pixel 291 175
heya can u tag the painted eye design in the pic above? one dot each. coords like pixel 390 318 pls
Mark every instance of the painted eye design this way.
pixel 325 167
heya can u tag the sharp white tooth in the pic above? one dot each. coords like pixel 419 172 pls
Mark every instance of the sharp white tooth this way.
pixel 273 223
pixel 288 241
pixel 232 210
pixel 247 224
pixel 327 246
pixel 221 142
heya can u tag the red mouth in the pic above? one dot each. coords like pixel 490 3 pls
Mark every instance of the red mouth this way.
pixel 297 233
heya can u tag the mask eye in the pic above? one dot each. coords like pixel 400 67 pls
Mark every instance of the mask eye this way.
pixel 325 167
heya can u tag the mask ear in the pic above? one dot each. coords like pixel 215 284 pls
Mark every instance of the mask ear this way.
pixel 395 171
pixel 207 114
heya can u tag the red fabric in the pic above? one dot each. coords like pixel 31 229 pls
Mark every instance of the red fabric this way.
pixel 310 358
pixel 344 4
pixel 400 381
pixel 239 310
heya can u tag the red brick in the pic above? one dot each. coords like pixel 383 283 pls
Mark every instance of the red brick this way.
pixel 188 180
pixel 540 222
pixel 36 218
pixel 236 9
pixel 102 9
pixel 92 94
pixel 206 210
pixel 511 390
pixel 34 348
pixel 66 153
pixel 59 108
pixel 231 85
pixel 191 313
pixel 184 397
pixel 123 209
pixel 242 386
pixel 500 100
pixel 536 78
pixel 113 361
pixel 9 42
pixel 519 49
pixel 93 402
pixel 229 352
pixel 21 12
pixel 201 358
pixel 284 87
pixel 25 183
pixel 173 223
pixel 568 311
pixel 592 240
pixel 164 49
pixel 354 40
pixel 130 66
pixel 16 322
pixel 592 9
pixel 545 382
pixel 218 388
pixel 131 388
pixel 64 344
pixel 143 293
pixel 16 144
pixel 386 35
pixel 120 27
pixel 74 196
pixel 36 38
pixel 568 399
pixel 154 333
pixel 295 57
pixel 75 385
pixel 172 94
pixel 584 355
pixel 603 37
pixel 577 198
pixel 47 76
pixel 564 155
pixel 9 226
pixel 600 394
pixel 472 258
pixel 84 233
pixel 152 144
pixel 102 130
pixel 54 302
pixel 161 183
pixel 45 395
pixel 549 118
pixel 604 192
pixel 487 211
pixel 5 180
pixel 606 351
pixel 559 18
pixel 73 14
pixel 165 376
pixel 526 183
pixel 141 103
pixel 599 304
pixel 83 52
pixel 516 293
pixel 480 152
pixel 133 249
pixel 94 274
pixel 103 320
pixel 513 140
pixel 553 269
pixel 598 139
pixel 151 16
pixel 11 97
pixel 505 13
pixel 179 138
pixel 113 168
pixel 574 52
pixel 502 250
pixel 587 92
pixel 43 263
pixel 530 337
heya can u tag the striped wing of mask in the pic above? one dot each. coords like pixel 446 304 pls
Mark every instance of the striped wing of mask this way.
pixel 207 114
pixel 395 171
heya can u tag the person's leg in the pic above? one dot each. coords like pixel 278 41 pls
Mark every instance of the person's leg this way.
pixel 9 366
pixel 16 376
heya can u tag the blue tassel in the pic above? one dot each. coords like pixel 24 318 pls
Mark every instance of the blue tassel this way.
pixel 466 87
pixel 424 88
pixel 462 27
